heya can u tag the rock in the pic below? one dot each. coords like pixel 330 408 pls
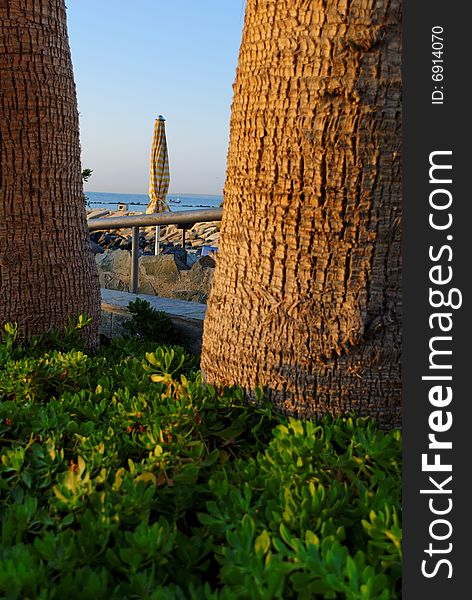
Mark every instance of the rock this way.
pixel 213 238
pixel 113 281
pixel 106 239
pixel 115 261
pixel 145 287
pixel 200 277
pixel 164 267
pixel 199 228
pixel 97 213
pixel 182 265
pixel 116 241
pixel 126 244
pixel 205 262
pixel 180 256
pixel 96 249
pixel 126 233
pixel 171 230
pixel 190 295
pixel 95 236
pixel 209 231
pixel 174 238
pixel 121 213
pixel 192 258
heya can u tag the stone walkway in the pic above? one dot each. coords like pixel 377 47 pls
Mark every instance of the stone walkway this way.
pixel 172 307
pixel 187 317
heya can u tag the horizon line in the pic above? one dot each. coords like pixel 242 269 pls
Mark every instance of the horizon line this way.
pixel 144 194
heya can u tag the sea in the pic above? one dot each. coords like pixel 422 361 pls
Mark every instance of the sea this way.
pixel 139 202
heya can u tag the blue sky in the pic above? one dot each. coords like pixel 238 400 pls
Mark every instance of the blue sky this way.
pixel 136 59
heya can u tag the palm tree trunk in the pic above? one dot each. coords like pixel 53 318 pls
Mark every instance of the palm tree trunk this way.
pixel 47 270
pixel 306 298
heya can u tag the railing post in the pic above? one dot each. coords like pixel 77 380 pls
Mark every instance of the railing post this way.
pixel 134 260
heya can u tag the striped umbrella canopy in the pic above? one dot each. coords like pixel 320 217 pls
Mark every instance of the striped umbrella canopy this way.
pixel 160 177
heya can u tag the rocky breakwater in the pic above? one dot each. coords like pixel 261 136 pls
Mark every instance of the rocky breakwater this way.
pixel 185 273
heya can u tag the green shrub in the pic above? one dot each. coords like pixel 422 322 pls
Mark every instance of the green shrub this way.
pixel 69 338
pixel 149 324
pixel 123 476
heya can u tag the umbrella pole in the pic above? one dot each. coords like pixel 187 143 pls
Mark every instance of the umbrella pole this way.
pixel 157 241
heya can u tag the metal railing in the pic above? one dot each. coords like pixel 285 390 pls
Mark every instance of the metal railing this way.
pixel 182 218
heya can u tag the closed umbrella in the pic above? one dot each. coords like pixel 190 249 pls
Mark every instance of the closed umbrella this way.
pixel 159 177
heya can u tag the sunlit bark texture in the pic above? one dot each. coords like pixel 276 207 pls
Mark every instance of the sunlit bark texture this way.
pixel 47 270
pixel 306 298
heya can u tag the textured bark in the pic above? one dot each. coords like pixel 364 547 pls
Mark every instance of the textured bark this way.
pixel 306 297
pixel 47 270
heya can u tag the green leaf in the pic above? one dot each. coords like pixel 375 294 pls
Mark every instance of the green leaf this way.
pixel 311 539
pixel 27 478
pixel 284 532
pixel 68 519
pixel 262 543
